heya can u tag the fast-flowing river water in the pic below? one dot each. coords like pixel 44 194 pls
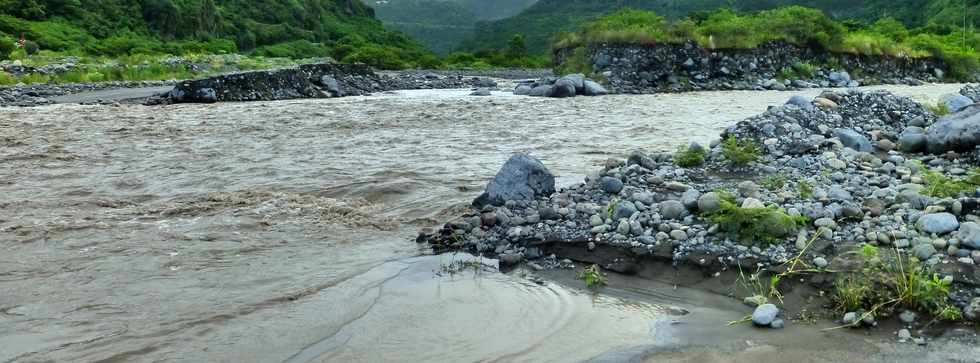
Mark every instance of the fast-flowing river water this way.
pixel 283 232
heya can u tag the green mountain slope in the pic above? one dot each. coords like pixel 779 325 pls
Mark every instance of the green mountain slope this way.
pixel 338 28
pixel 442 25
pixel 539 23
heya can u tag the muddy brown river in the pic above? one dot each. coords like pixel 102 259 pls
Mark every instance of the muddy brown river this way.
pixel 283 232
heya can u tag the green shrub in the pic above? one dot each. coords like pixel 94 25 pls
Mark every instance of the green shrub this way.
pixel 940 108
pixel 804 189
pixel 774 182
pixel 687 157
pixel 941 186
pixel 755 226
pixel 7 45
pixel 739 153
pixel 31 47
pixel 592 276
pixel 885 283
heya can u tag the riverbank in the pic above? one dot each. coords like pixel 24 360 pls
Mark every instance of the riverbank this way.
pixel 860 201
pixel 252 231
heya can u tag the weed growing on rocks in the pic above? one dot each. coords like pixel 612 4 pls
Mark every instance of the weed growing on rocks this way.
pixel 739 153
pixel 688 157
pixel 804 189
pixel 940 108
pixel 886 283
pixel 941 186
pixel 774 182
pixel 592 276
pixel 754 226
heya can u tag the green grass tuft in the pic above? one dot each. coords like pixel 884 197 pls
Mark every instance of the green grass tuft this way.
pixel 754 226
pixel 739 153
pixel 686 157
pixel 592 276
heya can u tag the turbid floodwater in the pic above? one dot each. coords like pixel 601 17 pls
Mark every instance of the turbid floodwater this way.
pixel 283 232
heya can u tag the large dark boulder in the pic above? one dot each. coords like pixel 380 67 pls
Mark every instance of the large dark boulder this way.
pixel 522 178
pixel 957 132
pixel 564 88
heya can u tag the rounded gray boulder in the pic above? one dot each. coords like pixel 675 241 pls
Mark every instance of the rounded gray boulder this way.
pixel 522 178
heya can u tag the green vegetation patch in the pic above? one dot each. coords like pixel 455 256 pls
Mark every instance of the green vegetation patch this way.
pixel 687 157
pixel 941 186
pixel 884 284
pixel 754 226
pixel 805 27
pixel 739 152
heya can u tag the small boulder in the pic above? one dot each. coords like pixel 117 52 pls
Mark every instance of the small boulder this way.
pixel 957 132
pixel 672 209
pixel 801 102
pixel 611 185
pixel 853 140
pixel 332 86
pixel 523 90
pixel 709 202
pixel 522 178
pixel 764 314
pixel 541 91
pixel 937 223
pixel 593 88
pixel 956 102
pixel 969 235
pixel 563 88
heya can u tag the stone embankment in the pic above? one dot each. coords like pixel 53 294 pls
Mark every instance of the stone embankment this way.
pixel 772 66
pixel 321 80
pixel 812 181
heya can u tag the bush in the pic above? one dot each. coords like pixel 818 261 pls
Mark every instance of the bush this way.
pixel 739 153
pixel 31 48
pixel 687 157
pixel 377 57
pixel 886 283
pixel 761 226
pixel 7 46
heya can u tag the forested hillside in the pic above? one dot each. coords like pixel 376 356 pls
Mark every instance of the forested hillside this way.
pixel 442 25
pixel 540 22
pixel 344 29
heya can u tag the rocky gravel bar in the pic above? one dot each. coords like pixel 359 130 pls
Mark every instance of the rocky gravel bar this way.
pixel 832 174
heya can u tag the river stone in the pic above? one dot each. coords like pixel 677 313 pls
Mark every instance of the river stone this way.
pixel 752 203
pixel 972 311
pixel 623 210
pixel 937 223
pixel 765 314
pixel 956 102
pixel 577 80
pixel 709 202
pixel 748 188
pixel 923 251
pixel 913 142
pixel 853 140
pixel 801 102
pixel 522 90
pixel 332 86
pixel 611 185
pixel 672 209
pixel 835 192
pixel 957 132
pixel 624 227
pixel 541 91
pixel 481 92
pixel 563 88
pixel 206 95
pixel 594 89
pixel 969 235
pixel 690 199
pixel 522 178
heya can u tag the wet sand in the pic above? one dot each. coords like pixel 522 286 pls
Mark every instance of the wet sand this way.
pixel 260 231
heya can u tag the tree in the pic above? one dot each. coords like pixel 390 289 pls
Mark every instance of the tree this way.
pixel 517 47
